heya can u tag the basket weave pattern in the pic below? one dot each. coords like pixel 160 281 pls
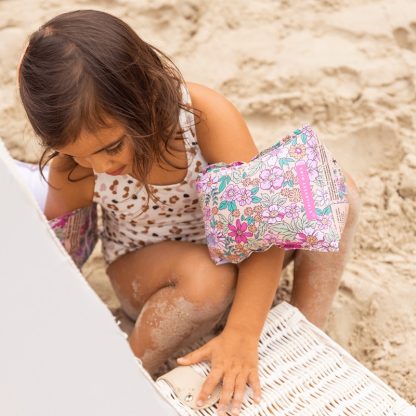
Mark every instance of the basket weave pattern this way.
pixel 303 372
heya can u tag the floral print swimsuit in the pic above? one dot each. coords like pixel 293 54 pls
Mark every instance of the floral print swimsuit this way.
pixel 131 222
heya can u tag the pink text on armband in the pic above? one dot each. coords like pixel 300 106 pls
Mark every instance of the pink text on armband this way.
pixel 306 191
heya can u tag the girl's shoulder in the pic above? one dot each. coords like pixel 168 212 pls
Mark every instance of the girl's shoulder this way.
pixel 69 188
pixel 222 133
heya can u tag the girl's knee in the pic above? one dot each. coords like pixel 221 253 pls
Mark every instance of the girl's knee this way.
pixel 205 284
pixel 214 290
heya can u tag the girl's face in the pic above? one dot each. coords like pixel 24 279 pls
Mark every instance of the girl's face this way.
pixel 108 150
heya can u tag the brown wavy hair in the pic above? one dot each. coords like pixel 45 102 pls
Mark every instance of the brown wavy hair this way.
pixel 82 67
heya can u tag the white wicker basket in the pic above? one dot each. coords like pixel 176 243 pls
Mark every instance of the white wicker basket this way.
pixel 303 372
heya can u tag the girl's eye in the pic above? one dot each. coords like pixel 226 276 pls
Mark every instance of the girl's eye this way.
pixel 115 149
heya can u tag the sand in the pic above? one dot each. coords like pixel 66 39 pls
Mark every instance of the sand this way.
pixel 348 68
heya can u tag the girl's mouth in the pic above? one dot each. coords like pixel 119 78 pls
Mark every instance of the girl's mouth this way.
pixel 117 172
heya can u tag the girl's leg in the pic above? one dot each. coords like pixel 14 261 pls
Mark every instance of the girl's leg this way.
pixel 174 292
pixel 317 275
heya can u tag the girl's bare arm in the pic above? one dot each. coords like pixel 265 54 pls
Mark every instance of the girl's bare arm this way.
pixel 66 195
pixel 224 137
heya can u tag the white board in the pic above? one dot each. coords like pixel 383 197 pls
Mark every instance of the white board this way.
pixel 61 352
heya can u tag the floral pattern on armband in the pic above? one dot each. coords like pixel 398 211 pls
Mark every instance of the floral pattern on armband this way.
pixel 285 197
pixel 77 232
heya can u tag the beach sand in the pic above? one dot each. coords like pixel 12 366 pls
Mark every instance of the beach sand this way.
pixel 346 67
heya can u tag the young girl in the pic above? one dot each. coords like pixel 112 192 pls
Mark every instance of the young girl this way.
pixel 117 123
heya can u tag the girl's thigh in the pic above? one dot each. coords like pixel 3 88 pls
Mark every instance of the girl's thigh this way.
pixel 185 267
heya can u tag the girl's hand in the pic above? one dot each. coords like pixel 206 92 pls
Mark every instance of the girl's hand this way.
pixel 234 361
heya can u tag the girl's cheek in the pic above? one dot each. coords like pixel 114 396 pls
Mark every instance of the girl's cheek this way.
pixel 129 152
pixel 83 163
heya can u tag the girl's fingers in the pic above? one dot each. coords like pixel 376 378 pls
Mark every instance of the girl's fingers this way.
pixel 239 389
pixel 201 354
pixel 212 381
pixel 227 392
pixel 254 381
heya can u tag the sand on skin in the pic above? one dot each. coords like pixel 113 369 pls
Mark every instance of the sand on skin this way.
pixel 348 68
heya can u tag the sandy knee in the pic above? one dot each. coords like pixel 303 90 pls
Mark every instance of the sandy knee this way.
pixel 203 283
